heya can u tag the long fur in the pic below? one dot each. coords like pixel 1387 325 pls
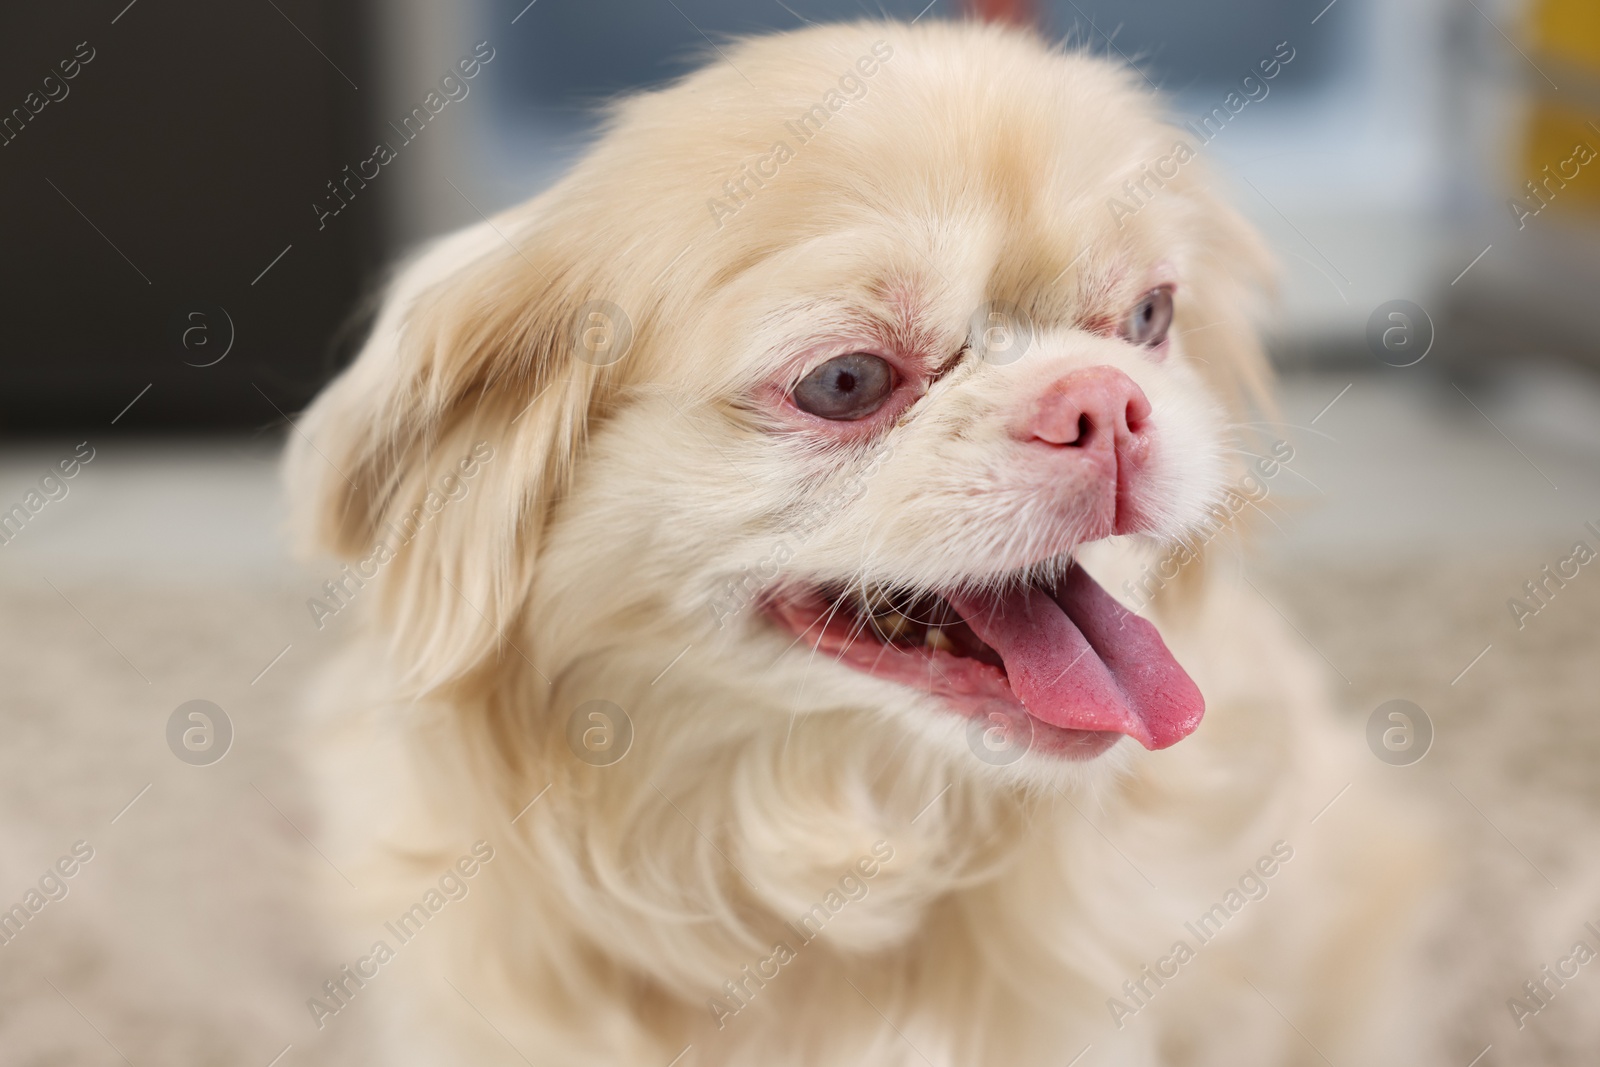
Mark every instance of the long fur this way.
pixel 583 560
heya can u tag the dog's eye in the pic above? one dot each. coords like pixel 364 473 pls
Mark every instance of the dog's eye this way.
pixel 1151 317
pixel 846 387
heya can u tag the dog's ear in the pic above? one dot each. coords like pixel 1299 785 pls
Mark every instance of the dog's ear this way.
pixel 431 462
pixel 1219 320
pixel 1230 283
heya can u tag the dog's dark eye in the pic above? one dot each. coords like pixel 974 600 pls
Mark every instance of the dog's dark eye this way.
pixel 846 387
pixel 1151 317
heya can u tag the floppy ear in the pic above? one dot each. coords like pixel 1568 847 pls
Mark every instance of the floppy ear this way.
pixel 1219 323
pixel 1231 280
pixel 430 463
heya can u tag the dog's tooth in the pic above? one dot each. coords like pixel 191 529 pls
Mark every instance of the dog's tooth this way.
pixel 936 640
pixel 890 625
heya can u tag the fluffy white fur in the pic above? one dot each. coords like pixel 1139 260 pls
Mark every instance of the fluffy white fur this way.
pixel 584 559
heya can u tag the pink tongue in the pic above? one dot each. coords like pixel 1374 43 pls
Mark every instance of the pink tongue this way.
pixel 1080 660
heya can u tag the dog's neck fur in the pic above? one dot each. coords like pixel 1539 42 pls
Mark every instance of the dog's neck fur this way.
pixel 693 858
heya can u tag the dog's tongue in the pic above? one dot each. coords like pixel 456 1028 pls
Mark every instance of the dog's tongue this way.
pixel 1079 660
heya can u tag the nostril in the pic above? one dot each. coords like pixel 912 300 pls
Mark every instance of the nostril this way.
pixel 1137 414
pixel 1090 409
pixel 1134 416
pixel 1085 432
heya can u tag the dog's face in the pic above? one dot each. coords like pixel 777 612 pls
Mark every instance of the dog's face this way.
pixel 830 373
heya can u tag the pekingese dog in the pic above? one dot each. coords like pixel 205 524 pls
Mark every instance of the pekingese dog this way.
pixel 757 521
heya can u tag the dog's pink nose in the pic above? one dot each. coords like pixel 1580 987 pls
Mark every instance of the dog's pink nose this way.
pixel 1095 408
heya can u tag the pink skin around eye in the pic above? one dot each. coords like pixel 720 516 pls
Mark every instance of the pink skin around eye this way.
pixel 1158 353
pixel 1109 318
pixel 1160 276
pixel 1163 275
pixel 777 393
pixel 911 372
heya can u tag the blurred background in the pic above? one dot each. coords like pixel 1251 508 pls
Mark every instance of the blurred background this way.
pixel 195 219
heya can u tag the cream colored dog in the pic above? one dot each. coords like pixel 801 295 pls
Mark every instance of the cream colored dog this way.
pixel 732 507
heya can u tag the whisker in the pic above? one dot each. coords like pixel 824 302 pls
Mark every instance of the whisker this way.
pixel 1286 426
pixel 1264 515
pixel 1283 466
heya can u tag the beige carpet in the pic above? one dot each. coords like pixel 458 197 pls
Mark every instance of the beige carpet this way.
pixel 192 935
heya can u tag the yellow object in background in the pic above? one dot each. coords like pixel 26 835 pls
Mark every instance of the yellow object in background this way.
pixel 1561 140
pixel 1565 175
pixel 1568 30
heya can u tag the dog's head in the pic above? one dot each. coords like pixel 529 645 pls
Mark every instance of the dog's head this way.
pixel 806 387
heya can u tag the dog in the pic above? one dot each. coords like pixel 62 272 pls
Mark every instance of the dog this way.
pixel 754 517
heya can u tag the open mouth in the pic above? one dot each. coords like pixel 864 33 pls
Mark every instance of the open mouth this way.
pixel 1083 669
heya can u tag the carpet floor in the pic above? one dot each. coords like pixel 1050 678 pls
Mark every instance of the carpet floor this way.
pixel 192 935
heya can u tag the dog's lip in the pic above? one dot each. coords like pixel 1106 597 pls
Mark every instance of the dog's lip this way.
pixel 968 686
pixel 817 620
pixel 1081 668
